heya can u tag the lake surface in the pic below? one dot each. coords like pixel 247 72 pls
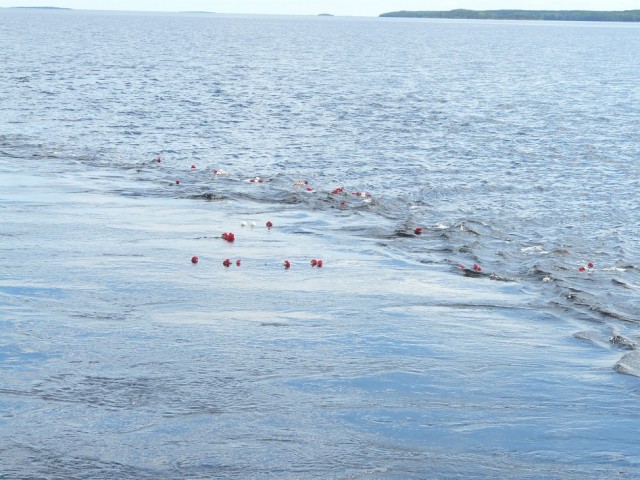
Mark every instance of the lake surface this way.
pixel 513 145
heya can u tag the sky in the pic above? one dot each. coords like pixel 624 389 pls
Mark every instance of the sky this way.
pixel 367 8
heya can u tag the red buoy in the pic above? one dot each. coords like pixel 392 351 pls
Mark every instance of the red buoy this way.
pixel 582 269
pixel 194 259
pixel 177 182
pixel 590 265
pixel 477 268
pixel 319 263
pixel 193 167
pixel 418 230
pixel 269 224
pixel 227 263
pixel 287 264
pixel 314 262
pixel 238 262
pixel 157 160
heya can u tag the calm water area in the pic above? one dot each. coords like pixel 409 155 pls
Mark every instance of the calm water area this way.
pixel 501 341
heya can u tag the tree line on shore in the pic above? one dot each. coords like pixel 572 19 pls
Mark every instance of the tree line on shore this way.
pixel 566 15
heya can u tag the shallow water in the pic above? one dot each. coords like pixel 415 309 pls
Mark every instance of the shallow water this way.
pixel 514 145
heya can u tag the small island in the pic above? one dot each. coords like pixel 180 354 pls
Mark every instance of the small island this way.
pixel 558 15
pixel 325 15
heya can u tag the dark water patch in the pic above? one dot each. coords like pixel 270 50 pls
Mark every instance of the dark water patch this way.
pixel 209 197
pixel 114 316
pixel 582 302
pixel 165 395
pixel 403 234
pixel 609 313
pixel 8 154
pixel 47 462
pixel 620 283
pixel 623 342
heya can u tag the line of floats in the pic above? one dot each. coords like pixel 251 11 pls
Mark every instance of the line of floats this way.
pixel 300 184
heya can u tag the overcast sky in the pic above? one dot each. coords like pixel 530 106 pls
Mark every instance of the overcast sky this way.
pixel 336 7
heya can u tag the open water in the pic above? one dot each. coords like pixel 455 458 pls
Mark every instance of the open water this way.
pixel 515 146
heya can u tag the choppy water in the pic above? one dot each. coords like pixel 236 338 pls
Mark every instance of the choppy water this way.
pixel 514 145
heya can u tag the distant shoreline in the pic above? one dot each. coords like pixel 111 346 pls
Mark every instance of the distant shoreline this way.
pixel 553 15
pixel 44 8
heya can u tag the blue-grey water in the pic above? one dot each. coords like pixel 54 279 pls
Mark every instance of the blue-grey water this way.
pixel 515 146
